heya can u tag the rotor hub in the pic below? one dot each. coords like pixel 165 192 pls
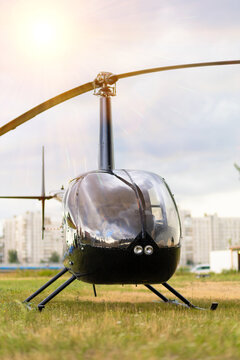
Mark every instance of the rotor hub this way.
pixel 105 84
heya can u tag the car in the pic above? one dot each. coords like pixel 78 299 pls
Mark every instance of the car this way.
pixel 201 270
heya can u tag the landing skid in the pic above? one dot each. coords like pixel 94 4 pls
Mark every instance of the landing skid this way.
pixel 186 303
pixel 42 304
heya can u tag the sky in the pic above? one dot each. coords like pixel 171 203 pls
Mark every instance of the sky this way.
pixel 182 125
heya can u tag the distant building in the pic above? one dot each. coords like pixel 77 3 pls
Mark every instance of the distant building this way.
pixel 225 259
pixel 226 232
pixel 202 235
pixel 1 250
pixel 187 234
pixel 23 234
pixel 202 239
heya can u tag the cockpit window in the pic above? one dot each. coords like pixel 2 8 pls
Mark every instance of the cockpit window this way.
pixel 108 209
pixel 162 221
pixel 112 209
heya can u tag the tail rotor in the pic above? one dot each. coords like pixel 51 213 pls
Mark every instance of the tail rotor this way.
pixel 41 198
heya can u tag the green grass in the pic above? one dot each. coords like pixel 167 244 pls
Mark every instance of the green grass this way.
pixel 121 323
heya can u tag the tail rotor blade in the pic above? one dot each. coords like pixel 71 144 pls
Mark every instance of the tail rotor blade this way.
pixel 43 173
pixel 43 217
pixel 43 194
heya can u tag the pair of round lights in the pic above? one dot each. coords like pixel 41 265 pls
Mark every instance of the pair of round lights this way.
pixel 138 250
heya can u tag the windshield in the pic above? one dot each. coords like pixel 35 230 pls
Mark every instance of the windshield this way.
pixel 161 216
pixel 107 210
pixel 112 209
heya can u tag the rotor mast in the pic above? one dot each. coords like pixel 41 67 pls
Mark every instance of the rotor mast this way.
pixel 104 89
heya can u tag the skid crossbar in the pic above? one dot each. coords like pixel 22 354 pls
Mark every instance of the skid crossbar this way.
pixel 157 293
pixel 42 304
pixel 46 285
pixel 177 294
pixel 185 301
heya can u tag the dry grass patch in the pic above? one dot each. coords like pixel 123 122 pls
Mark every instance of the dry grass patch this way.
pixel 122 323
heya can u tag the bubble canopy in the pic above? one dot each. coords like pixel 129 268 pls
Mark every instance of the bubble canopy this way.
pixel 110 209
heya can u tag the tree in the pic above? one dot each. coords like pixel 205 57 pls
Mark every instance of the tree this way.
pixel 237 167
pixel 54 258
pixel 13 256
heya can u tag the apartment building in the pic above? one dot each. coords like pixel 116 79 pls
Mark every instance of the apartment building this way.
pixel 23 234
pixel 204 234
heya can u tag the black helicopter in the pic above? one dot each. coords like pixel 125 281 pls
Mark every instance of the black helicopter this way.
pixel 122 226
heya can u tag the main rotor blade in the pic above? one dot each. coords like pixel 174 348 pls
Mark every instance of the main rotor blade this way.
pixel 28 197
pixel 91 85
pixel 46 105
pixel 175 67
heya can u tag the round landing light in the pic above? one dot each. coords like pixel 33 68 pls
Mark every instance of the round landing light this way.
pixel 148 250
pixel 138 250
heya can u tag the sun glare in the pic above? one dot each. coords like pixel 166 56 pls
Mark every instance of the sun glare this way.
pixel 44 33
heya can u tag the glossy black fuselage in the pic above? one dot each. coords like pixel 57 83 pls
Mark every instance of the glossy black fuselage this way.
pixel 108 215
pixel 116 266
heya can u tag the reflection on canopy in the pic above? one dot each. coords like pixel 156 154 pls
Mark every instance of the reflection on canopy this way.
pixel 111 209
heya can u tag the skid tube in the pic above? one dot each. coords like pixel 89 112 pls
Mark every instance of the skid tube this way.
pixel 186 302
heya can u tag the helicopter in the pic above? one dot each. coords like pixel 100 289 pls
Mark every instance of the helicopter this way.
pixel 122 226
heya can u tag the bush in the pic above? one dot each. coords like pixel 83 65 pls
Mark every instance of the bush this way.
pixel 54 258
pixel 183 270
pixel 13 257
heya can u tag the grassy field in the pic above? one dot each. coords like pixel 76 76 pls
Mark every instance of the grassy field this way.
pixel 121 323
